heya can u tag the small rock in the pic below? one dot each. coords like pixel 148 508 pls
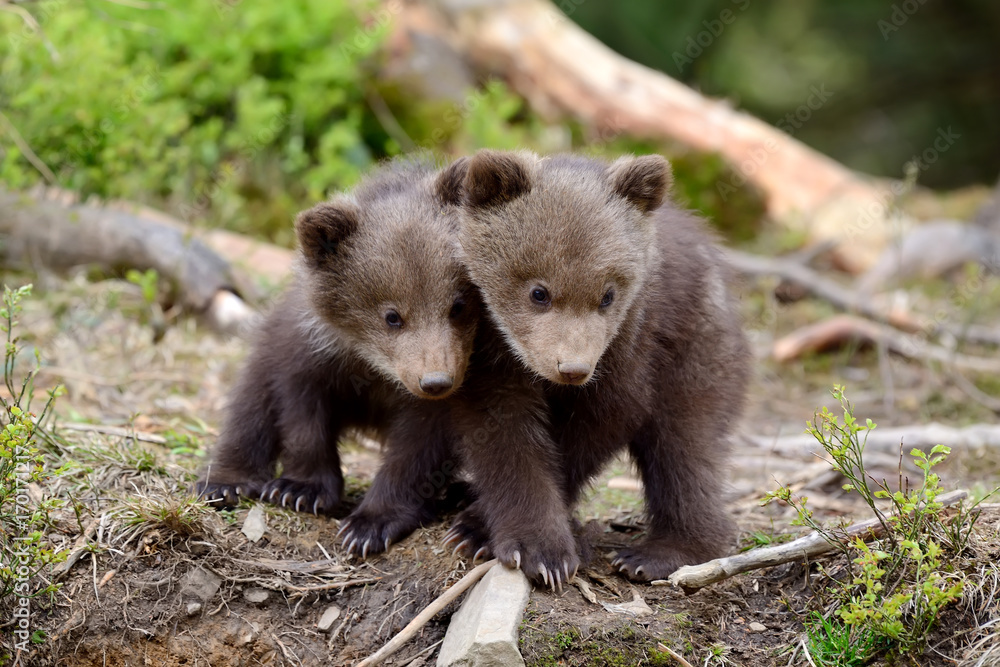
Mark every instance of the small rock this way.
pixel 256 595
pixel 193 608
pixel 255 524
pixel 483 632
pixel 756 627
pixel 331 614
pixel 201 584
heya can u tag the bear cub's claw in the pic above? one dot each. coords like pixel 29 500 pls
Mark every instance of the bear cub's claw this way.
pixel 312 497
pixel 646 562
pixel 365 533
pixel 225 495
pixel 549 559
pixel 470 535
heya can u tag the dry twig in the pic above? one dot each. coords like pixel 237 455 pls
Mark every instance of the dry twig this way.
pixel 427 614
pixel 887 440
pixel 690 578
pixel 663 648
pixel 79 548
pixel 840 329
pixel 116 431
pixel 851 301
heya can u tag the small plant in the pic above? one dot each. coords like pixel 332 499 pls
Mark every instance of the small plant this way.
pixel 176 516
pixel 832 642
pixel 900 583
pixel 148 282
pixel 718 654
pixel 758 538
pixel 23 551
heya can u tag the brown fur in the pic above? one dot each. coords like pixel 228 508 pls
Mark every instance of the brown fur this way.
pixel 559 386
pixel 327 359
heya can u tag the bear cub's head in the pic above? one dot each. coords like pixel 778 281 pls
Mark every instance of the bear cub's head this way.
pixel 560 248
pixel 383 271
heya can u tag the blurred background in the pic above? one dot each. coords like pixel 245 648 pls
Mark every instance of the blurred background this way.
pixel 240 113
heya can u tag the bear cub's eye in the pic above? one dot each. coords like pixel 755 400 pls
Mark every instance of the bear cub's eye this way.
pixel 457 308
pixel 608 298
pixel 393 319
pixel 540 295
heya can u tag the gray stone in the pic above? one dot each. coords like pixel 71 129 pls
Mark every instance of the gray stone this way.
pixel 757 627
pixel 193 608
pixel 255 524
pixel 483 633
pixel 256 595
pixel 200 583
pixel 330 614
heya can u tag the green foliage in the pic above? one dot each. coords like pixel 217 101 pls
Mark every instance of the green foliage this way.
pixel 23 550
pixel 241 114
pixel 148 283
pixel 900 583
pixel 759 538
pixel 206 106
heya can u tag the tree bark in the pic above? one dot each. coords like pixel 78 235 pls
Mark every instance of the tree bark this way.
pixel 37 231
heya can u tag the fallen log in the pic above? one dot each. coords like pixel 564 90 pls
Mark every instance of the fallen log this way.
pixel 691 578
pixel 36 231
pixel 566 73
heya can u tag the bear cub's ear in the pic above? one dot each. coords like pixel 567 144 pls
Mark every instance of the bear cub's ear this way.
pixel 449 184
pixel 495 177
pixel 642 181
pixel 323 228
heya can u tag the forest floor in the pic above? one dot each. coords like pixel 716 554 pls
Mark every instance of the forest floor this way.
pixel 163 580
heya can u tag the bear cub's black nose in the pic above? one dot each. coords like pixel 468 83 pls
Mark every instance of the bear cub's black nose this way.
pixel 435 384
pixel 574 371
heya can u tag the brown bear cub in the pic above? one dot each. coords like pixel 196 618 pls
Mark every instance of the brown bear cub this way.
pixel 380 321
pixel 612 328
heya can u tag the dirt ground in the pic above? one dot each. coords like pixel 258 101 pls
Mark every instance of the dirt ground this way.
pixel 161 580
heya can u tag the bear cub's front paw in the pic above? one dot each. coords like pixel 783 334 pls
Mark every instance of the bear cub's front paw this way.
pixel 469 535
pixel 653 559
pixel 368 532
pixel 312 496
pixel 549 558
pixel 226 495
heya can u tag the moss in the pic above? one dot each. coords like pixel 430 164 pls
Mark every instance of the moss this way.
pixel 625 645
